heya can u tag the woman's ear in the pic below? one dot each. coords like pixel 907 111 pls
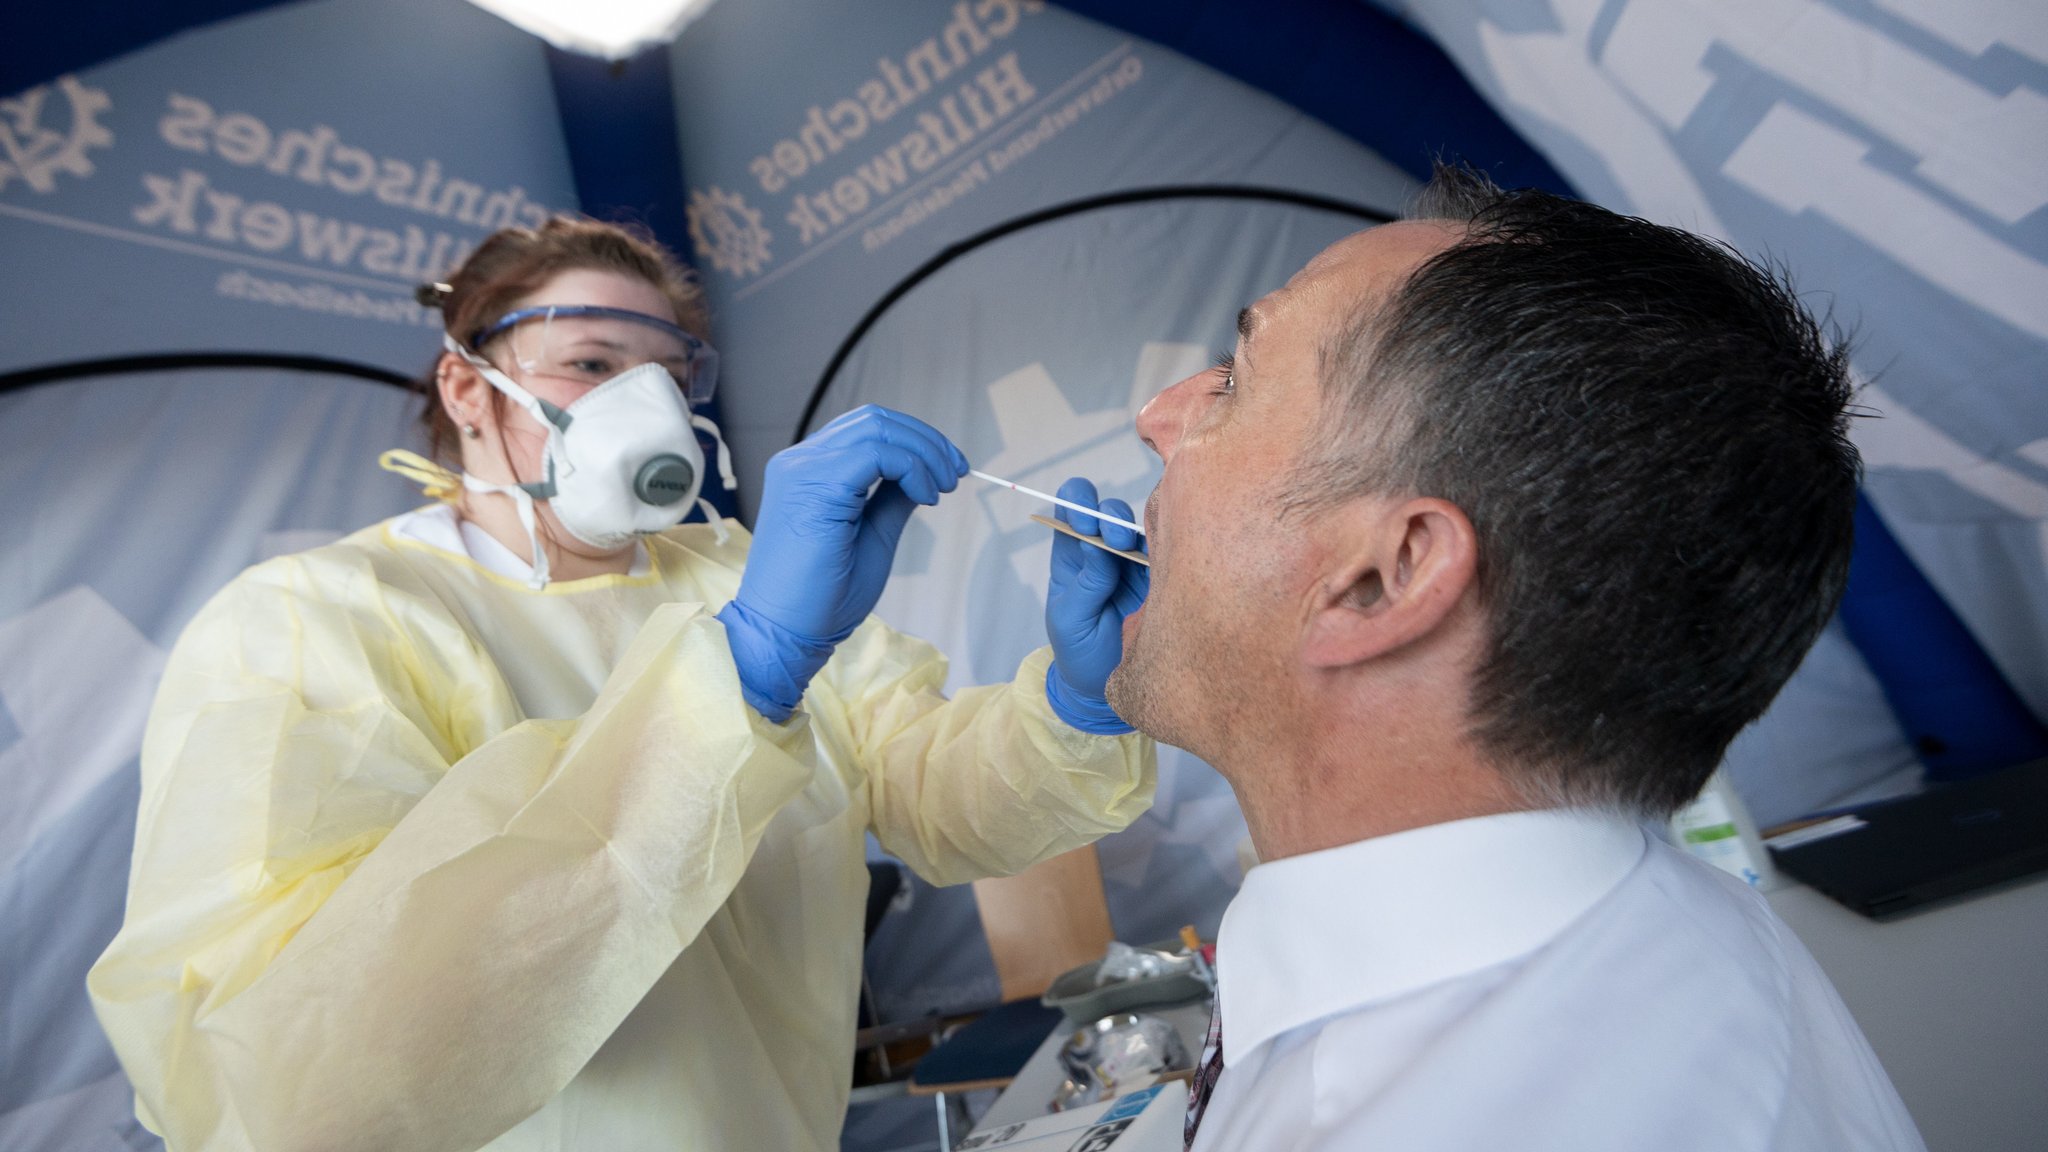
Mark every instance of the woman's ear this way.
pixel 465 394
pixel 1398 570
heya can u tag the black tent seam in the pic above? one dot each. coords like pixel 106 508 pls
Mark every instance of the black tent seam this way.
pixel 183 361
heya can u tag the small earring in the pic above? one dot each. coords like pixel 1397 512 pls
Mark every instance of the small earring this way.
pixel 470 431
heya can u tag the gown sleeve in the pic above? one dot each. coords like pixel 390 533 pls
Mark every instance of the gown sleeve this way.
pixel 985 784
pixel 371 906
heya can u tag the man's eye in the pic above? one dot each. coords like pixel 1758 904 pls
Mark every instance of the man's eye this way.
pixel 1226 364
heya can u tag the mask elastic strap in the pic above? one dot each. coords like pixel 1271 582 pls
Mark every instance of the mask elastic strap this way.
pixel 724 453
pixel 711 517
pixel 550 417
pixel 523 500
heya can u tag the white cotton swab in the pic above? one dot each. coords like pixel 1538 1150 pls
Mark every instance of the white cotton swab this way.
pixel 1067 504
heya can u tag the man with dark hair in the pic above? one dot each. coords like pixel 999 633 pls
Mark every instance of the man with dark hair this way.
pixel 1498 526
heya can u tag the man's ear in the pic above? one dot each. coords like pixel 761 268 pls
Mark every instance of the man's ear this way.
pixel 1400 570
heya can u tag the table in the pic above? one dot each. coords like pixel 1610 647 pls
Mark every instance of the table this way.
pixel 1955 1003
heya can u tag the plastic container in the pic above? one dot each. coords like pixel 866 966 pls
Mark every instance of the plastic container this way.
pixel 1716 828
pixel 1074 992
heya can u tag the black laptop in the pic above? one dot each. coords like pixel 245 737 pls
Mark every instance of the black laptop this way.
pixel 1894 856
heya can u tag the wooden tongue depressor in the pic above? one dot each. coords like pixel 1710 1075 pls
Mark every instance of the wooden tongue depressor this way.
pixel 1066 529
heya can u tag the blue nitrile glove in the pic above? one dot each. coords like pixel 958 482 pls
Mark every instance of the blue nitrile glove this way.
pixel 1091 593
pixel 823 545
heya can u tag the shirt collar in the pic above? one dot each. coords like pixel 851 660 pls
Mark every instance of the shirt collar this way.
pixel 1329 931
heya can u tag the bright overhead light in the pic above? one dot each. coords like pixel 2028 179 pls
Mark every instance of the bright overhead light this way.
pixel 613 29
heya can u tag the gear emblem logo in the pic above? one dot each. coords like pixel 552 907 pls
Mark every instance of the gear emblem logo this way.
pixel 36 152
pixel 727 232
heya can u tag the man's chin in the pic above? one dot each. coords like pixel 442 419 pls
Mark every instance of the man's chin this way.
pixel 1117 690
pixel 1125 690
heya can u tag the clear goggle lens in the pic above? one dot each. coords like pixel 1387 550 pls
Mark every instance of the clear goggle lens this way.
pixel 590 345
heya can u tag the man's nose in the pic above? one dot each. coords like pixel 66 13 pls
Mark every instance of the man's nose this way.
pixel 1163 417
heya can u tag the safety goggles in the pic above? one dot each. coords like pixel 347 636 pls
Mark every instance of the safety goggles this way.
pixel 587 344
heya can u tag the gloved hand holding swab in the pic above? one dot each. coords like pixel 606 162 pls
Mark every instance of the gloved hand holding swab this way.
pixel 1087 603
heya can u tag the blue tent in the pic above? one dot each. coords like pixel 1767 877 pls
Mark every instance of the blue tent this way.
pixel 1016 220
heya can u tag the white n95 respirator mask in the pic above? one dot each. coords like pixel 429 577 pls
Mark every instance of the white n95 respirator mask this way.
pixel 621 460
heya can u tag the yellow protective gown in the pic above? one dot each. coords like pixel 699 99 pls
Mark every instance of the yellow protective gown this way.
pixel 429 860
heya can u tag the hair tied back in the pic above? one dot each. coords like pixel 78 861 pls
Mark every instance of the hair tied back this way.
pixel 433 295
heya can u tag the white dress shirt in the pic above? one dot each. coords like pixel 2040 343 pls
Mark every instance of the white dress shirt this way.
pixel 1536 980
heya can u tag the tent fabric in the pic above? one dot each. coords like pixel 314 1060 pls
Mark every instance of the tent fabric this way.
pixel 1894 155
pixel 47 43
pixel 1890 151
pixel 277 183
pixel 1963 722
pixel 1354 67
pixel 274 184
pixel 139 496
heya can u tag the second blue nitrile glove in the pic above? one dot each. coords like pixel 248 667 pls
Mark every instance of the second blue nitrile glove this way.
pixel 832 511
pixel 1090 595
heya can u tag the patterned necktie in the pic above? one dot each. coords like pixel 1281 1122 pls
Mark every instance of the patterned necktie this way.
pixel 1206 1075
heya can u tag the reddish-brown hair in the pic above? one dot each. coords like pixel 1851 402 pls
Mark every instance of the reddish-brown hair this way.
pixel 516 262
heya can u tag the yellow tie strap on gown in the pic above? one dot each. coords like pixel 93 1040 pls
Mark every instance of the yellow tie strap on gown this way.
pixel 437 482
